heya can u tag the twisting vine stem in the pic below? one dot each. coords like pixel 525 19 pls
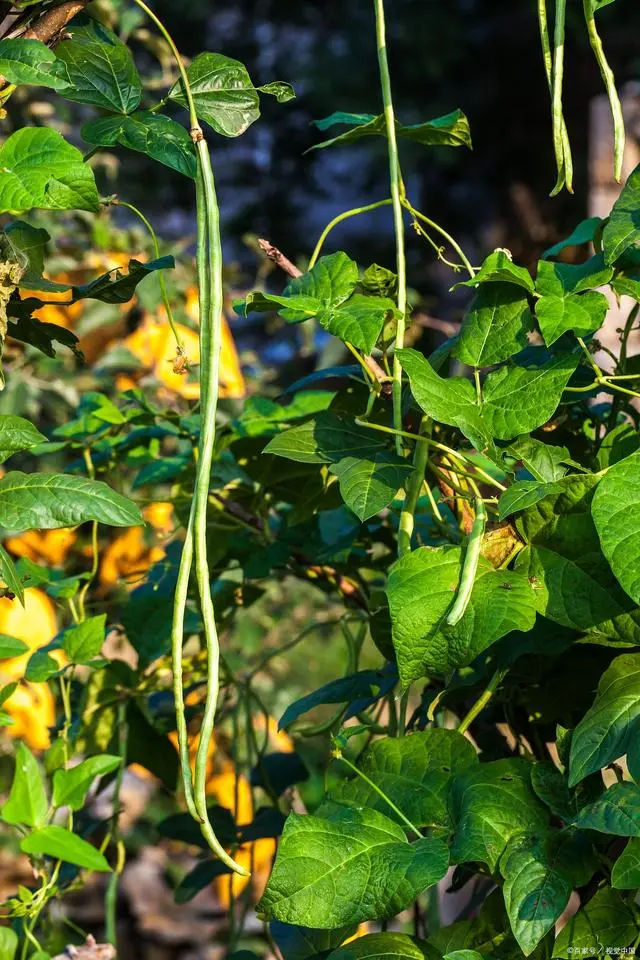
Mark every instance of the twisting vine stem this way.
pixel 209 257
pixel 397 194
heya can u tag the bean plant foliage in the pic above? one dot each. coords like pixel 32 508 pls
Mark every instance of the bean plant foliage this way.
pixel 473 514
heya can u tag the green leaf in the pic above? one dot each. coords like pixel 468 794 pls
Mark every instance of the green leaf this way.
pixel 202 875
pixel 359 321
pixel 39 170
pixel 523 494
pixel 84 641
pixel 573 582
pixel 9 575
pixel 382 946
pixel 585 232
pixel 564 305
pixel 543 461
pixel 421 589
pixel 8 943
pixel 11 647
pixel 538 880
pixel 451 130
pixel 223 93
pixel 362 684
pixel 41 667
pixel 353 866
pixel 626 870
pixel 500 268
pixel 153 134
pixel 414 772
pixel 616 811
pixel 304 943
pixel 63 845
pixel 369 485
pixel 331 281
pixel 283 92
pixel 604 921
pixel 516 399
pixel 70 787
pixel 495 326
pixel 27 803
pixel 490 804
pixel 44 501
pixel 32 62
pixel 118 287
pixel 616 514
pixel 327 438
pixel 609 727
pixel 100 67
pixel 623 228
pixel 42 336
pixel 17 434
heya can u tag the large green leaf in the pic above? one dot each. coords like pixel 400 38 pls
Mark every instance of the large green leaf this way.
pixel 490 804
pixel 523 494
pixel 495 326
pixel 331 281
pixel 616 811
pixel 364 684
pixel 421 589
pixel 382 946
pixel 100 67
pixel 359 321
pixel 626 870
pixel 8 943
pixel 604 921
pixel 70 787
pixel 17 434
pixel 62 844
pixel 83 641
pixel 516 399
pixel 368 485
pixel 585 232
pixel 153 134
pixel 40 170
pixel 32 62
pixel 451 130
pixel 609 727
pixel 224 95
pixel 573 583
pixel 353 866
pixel 27 802
pixel 500 268
pixel 44 501
pixel 414 772
pixel 623 228
pixel 538 876
pixel 11 647
pixel 327 438
pixel 616 513
pixel 543 461
pixel 567 297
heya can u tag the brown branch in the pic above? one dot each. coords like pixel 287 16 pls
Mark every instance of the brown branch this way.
pixel 277 256
pixel 53 22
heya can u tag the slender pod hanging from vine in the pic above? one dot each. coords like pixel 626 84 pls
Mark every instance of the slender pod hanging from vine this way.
pixel 590 8
pixel 553 67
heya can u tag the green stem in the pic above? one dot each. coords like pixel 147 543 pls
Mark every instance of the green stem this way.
pixel 482 701
pixel 470 566
pixel 610 83
pixel 407 516
pixel 111 895
pixel 161 280
pixel 354 212
pixel 443 233
pixel 397 193
pixel 381 793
